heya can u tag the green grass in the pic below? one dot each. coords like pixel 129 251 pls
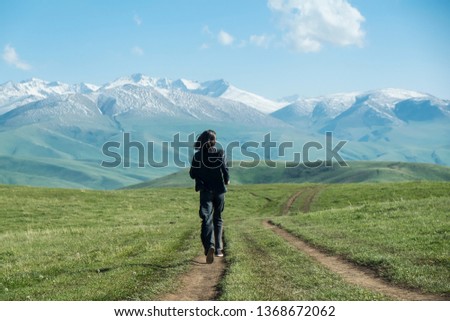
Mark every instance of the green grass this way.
pixel 262 266
pixel 401 231
pixel 89 245
pixel 61 244
pixel 344 195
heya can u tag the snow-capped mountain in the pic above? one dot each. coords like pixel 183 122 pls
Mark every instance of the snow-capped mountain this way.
pixel 356 109
pixel 138 80
pixel 214 88
pixel 18 94
pixel 63 127
pixel 316 109
pixel 53 133
pixel 150 101
pixel 151 96
pixel 221 88
pixel 65 110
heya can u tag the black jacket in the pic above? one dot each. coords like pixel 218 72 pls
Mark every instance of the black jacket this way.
pixel 210 171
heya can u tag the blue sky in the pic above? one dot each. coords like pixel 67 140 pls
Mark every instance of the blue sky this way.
pixel 274 48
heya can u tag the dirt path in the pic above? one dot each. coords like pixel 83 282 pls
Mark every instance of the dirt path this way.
pixel 200 282
pixel 350 272
pixel 309 199
pixel 291 201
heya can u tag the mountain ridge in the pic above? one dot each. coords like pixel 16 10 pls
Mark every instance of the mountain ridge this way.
pixel 52 120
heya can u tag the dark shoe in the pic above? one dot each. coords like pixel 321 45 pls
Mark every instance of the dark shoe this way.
pixel 219 253
pixel 210 256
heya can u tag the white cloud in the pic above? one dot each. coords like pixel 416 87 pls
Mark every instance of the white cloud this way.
pixel 260 40
pixel 225 38
pixel 204 46
pixel 137 19
pixel 308 24
pixel 11 57
pixel 137 51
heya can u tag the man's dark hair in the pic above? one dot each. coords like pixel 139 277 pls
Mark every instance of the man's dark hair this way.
pixel 206 140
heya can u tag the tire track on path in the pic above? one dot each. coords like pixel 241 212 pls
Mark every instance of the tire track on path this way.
pixel 309 194
pixel 350 272
pixel 310 197
pixel 290 202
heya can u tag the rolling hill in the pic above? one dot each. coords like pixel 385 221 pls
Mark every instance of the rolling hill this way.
pixel 363 171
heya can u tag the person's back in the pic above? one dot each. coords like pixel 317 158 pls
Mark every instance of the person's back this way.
pixel 210 171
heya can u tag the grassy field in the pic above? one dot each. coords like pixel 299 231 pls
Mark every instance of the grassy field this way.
pixel 60 244
pixel 88 245
pixel 401 231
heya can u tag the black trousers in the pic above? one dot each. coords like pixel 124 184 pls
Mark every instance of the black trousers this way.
pixel 211 208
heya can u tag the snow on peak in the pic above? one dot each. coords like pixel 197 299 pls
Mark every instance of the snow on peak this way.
pixel 13 94
pixel 388 97
pixel 334 104
pixel 396 93
pixel 186 84
pixel 135 79
pixel 324 106
pixel 33 81
pixel 219 88
pixel 34 87
pixel 85 88
pixel 382 100
pixel 213 88
pixel 140 80
pixel 260 103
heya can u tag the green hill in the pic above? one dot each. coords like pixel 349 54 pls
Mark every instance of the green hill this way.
pixel 358 171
